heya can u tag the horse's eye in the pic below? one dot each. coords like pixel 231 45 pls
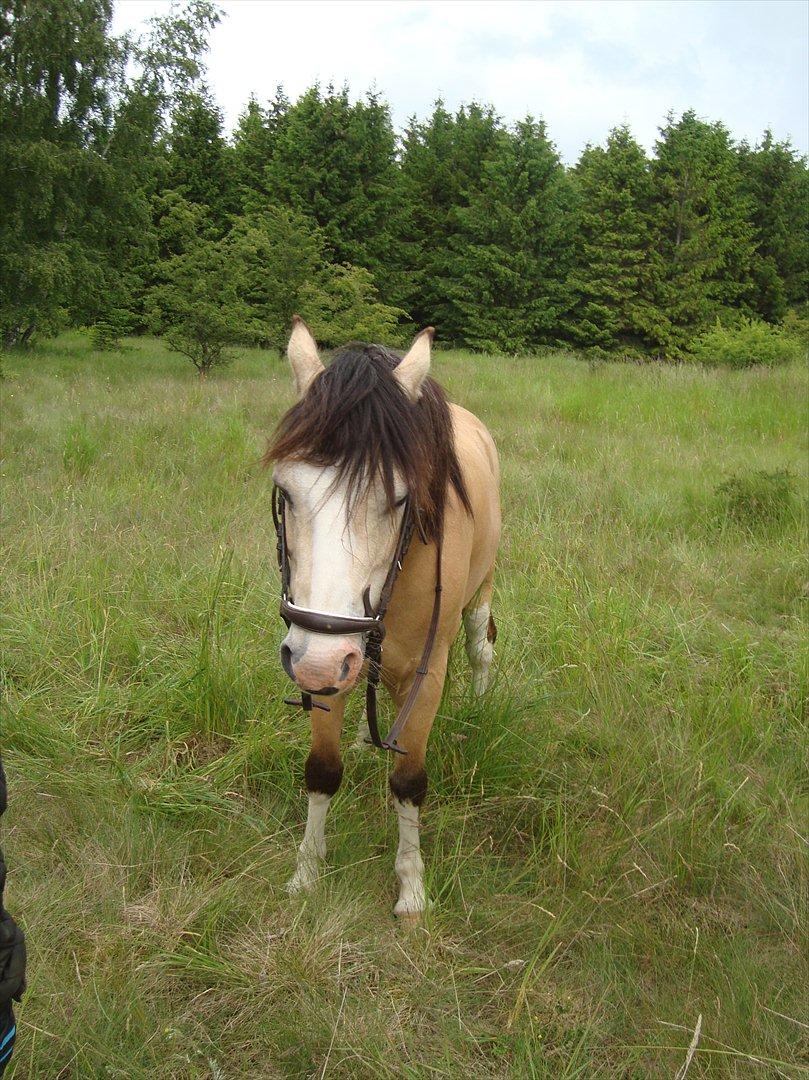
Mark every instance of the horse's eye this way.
pixel 401 502
pixel 287 497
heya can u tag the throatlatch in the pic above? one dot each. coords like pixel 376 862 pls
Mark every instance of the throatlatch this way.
pixel 372 625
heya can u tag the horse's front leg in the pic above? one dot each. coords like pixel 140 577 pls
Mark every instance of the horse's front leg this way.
pixel 408 785
pixel 323 773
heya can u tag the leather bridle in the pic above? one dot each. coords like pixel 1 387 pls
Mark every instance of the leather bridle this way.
pixel 372 625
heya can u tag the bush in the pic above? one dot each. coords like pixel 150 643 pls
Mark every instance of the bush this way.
pixel 751 342
pixel 105 337
pixel 198 305
pixel 796 324
pixel 760 498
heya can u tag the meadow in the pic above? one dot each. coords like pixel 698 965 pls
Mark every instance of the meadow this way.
pixel 615 835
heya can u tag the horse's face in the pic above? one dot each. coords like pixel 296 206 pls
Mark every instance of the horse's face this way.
pixel 334 557
pixel 339 545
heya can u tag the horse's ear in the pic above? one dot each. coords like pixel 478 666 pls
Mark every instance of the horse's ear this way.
pixel 412 370
pixel 302 353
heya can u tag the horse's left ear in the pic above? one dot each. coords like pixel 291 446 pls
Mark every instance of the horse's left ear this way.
pixel 412 370
pixel 302 353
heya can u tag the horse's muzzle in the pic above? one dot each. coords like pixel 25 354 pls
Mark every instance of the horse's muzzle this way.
pixel 323 668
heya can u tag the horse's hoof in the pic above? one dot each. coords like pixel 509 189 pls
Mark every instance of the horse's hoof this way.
pixel 299 883
pixel 410 910
pixel 409 919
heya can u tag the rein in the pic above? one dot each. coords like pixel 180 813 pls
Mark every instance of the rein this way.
pixel 372 625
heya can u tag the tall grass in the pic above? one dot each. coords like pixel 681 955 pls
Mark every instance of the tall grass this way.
pixel 615 835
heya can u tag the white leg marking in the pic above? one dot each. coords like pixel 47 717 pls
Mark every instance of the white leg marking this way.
pixel 478 647
pixel 409 866
pixel 313 846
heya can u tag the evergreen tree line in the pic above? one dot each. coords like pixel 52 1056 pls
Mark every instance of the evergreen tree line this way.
pixel 123 201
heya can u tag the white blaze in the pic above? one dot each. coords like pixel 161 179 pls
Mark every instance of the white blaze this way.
pixel 333 559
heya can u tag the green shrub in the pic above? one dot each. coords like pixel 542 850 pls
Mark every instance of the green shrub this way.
pixel 759 498
pixel 198 306
pixel 751 342
pixel 796 324
pixel 105 336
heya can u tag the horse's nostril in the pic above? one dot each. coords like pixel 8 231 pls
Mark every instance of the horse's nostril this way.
pixel 350 660
pixel 286 660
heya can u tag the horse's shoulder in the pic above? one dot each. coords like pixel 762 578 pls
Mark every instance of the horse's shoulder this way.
pixel 472 437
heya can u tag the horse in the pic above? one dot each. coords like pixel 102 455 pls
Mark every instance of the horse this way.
pixel 371 451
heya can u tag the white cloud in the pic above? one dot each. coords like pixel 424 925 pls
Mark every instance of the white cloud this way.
pixel 585 65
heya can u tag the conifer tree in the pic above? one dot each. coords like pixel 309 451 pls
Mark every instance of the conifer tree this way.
pixel 514 245
pixel 280 253
pixel 705 238
pixel 442 167
pixel 199 165
pixel 252 149
pixel 334 162
pixel 342 304
pixel 617 275
pixel 253 146
pixel 776 181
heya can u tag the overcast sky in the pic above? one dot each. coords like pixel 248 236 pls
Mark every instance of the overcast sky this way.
pixel 583 65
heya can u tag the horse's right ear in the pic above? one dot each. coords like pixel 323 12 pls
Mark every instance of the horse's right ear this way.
pixel 303 357
pixel 412 369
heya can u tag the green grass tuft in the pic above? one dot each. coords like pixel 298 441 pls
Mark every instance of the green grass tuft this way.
pixel 760 499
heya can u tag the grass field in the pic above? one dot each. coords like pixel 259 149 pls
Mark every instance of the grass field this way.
pixel 615 837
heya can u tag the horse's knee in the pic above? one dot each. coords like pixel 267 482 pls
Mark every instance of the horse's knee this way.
pixel 409 786
pixel 323 774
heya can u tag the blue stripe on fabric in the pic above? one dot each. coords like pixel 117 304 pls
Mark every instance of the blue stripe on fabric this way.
pixel 7 1055
pixel 10 1035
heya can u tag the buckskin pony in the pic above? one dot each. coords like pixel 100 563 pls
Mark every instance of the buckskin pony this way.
pixel 371 453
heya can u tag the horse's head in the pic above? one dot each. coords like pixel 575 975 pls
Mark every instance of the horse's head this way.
pixel 346 457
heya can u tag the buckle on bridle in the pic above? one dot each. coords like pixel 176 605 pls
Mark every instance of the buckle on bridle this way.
pixel 393 746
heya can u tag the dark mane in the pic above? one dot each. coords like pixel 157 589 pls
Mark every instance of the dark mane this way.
pixel 356 415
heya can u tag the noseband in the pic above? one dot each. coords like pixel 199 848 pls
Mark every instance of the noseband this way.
pixel 372 625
